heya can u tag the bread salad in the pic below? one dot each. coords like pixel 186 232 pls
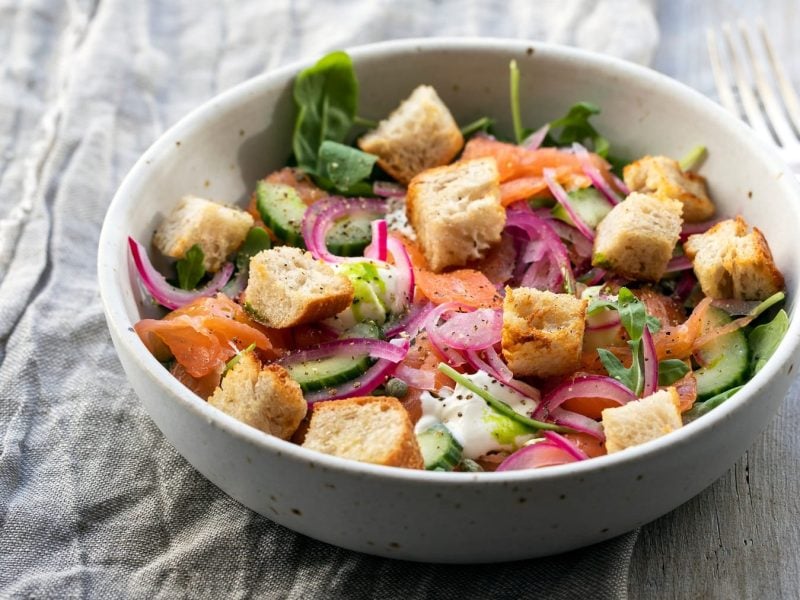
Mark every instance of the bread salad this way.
pixel 417 294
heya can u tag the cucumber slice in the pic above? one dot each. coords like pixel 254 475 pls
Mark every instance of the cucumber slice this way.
pixel 590 205
pixel 349 236
pixel 328 372
pixel 726 358
pixel 282 211
pixel 440 450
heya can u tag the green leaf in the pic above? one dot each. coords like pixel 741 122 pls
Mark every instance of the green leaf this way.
pixel 671 370
pixel 653 324
pixel 481 124
pixel 257 240
pixel 344 166
pixel 764 340
pixel 190 268
pixel 701 408
pixel 597 304
pixel 516 118
pixel 326 97
pixel 575 127
pixel 632 313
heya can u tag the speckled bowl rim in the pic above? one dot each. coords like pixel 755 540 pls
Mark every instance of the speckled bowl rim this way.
pixel 119 322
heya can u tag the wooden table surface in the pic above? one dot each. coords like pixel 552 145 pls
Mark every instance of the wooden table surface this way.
pixel 740 538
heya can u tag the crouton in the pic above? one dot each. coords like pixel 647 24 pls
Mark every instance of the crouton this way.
pixel 420 134
pixel 642 420
pixel 732 262
pixel 456 212
pixel 217 229
pixel 542 332
pixel 663 178
pixel 637 237
pixel 265 398
pixel 371 429
pixel 288 287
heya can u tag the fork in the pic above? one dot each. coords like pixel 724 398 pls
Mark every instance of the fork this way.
pixel 764 111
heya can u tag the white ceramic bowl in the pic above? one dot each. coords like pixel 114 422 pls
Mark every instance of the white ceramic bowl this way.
pixel 223 147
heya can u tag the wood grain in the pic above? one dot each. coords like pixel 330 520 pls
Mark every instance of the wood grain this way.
pixel 740 538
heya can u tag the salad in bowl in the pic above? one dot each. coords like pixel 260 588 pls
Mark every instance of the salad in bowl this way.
pixel 416 293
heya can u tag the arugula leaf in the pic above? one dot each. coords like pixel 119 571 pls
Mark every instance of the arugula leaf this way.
pixel 671 370
pixel 516 118
pixel 575 127
pixel 190 268
pixel 634 318
pixel 764 340
pixel 257 240
pixel 326 96
pixel 344 166
pixel 481 124
pixel 631 377
pixel 597 304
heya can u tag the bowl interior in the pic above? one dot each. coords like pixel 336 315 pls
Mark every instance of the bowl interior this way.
pixel 221 149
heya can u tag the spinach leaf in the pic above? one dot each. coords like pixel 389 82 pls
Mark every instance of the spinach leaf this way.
pixel 701 408
pixel 257 240
pixel 671 370
pixel 764 340
pixel 344 166
pixel 190 268
pixel 326 96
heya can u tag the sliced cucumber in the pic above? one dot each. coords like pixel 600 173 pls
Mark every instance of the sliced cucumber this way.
pixel 726 358
pixel 349 236
pixel 440 450
pixel 328 372
pixel 282 210
pixel 318 374
pixel 590 205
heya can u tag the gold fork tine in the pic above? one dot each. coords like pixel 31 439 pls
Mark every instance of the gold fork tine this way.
pixel 788 93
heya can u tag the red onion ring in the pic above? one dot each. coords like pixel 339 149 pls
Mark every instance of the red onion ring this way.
pixel 584 386
pixel 320 217
pixel 563 443
pixel 377 247
pixel 416 378
pixel 594 174
pixel 168 295
pixel 388 189
pixel 534 140
pixel 535 456
pixel 403 263
pixel 560 194
pixel 650 363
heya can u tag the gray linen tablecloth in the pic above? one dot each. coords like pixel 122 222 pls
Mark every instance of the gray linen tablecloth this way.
pixel 93 501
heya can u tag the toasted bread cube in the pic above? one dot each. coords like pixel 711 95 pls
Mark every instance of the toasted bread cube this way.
pixel 542 332
pixel 288 287
pixel 420 134
pixel 265 398
pixel 372 429
pixel 642 420
pixel 217 229
pixel 663 178
pixel 637 237
pixel 456 212
pixel 732 262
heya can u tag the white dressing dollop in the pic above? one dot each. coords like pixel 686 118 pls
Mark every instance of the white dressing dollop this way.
pixel 476 425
